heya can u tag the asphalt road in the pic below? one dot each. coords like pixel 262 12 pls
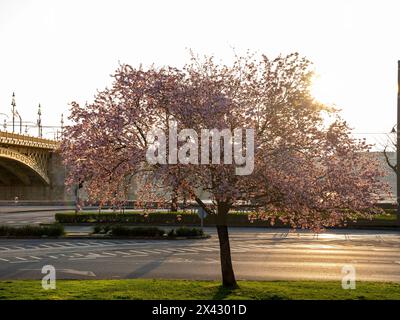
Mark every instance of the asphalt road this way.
pixel 258 254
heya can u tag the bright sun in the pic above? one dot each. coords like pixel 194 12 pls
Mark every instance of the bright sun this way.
pixel 324 89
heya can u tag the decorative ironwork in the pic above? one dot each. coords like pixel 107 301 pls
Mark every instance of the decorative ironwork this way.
pixel 31 151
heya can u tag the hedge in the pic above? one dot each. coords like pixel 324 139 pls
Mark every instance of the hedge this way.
pixel 186 232
pixel 122 231
pixel 239 219
pixel 32 231
pixel 158 218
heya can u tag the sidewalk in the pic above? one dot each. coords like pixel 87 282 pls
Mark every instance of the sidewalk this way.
pixel 21 208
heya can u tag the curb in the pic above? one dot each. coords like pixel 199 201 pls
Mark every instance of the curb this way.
pixel 93 237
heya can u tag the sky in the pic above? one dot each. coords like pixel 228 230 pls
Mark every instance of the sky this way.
pixel 55 52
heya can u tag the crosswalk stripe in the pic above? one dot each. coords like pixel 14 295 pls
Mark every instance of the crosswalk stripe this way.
pixel 34 257
pixel 19 258
pixel 4 259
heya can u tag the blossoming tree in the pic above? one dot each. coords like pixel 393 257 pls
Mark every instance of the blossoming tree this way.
pixel 308 170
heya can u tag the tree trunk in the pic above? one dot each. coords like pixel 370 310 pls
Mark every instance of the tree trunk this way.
pixel 228 276
pixel 174 204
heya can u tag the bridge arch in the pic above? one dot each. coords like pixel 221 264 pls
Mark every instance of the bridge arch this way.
pixel 28 162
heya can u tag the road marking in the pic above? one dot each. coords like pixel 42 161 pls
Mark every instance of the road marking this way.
pixel 121 252
pixel 32 247
pixel 96 244
pixel 140 252
pixel 19 258
pixel 46 246
pixel 34 257
pixel 78 272
pixel 108 253
pixel 5 248
pixel 68 244
pixel 162 250
pixel 177 250
pixel 57 245
pixel 190 250
pixel 4 259
pixel 82 244
pixel 54 257
pixel 207 249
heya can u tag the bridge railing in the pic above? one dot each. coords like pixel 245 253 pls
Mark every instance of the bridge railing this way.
pixel 26 140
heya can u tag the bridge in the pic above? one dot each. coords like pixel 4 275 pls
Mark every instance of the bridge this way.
pixel 30 168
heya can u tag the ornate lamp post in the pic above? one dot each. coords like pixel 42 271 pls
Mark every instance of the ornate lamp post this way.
pixel 39 122
pixel 13 105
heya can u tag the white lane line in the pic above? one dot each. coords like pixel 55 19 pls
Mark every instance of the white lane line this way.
pixel 97 244
pixel 19 258
pixel 34 257
pixel 4 259
pixel 139 252
pixel 207 249
pixel 82 244
pixel 54 257
pixel 33 247
pixel 121 252
pixel 190 250
pixel 93 254
pixel 5 248
pixel 57 245
pixel 77 254
pixel 150 251
pixel 46 246
pixel 19 248
pixel 68 244
pixel 109 254
pixel 177 250
pixel 162 250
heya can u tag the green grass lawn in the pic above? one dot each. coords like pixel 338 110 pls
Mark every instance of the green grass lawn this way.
pixel 183 289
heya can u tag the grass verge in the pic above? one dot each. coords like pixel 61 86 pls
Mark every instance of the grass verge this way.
pixel 145 289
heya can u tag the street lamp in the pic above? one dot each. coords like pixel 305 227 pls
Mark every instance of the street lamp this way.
pixel 20 121
pixel 39 122
pixel 5 121
pixel 13 104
